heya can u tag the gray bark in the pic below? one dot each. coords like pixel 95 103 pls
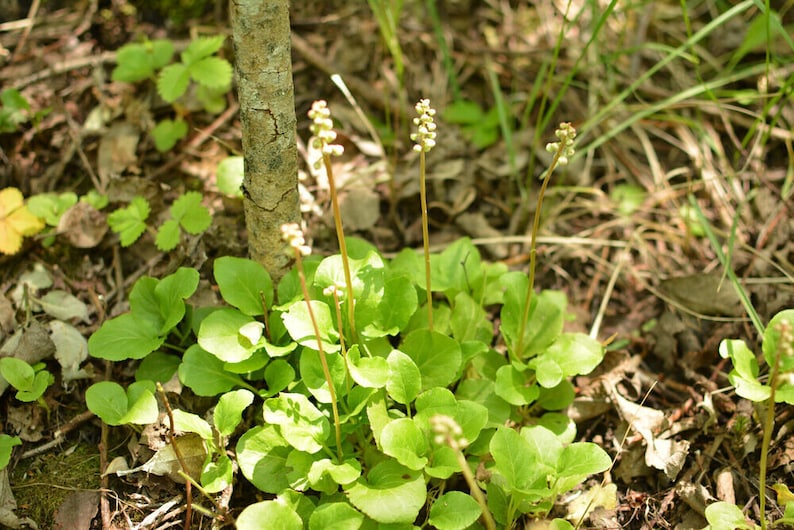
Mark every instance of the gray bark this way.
pixel 263 63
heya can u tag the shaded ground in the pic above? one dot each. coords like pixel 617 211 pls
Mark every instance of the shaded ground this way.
pixel 642 275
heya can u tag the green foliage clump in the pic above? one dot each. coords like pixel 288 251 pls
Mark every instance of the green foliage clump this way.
pixel 210 75
pixel 379 380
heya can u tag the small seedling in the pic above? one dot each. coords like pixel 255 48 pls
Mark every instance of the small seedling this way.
pixel 778 352
pixel 30 381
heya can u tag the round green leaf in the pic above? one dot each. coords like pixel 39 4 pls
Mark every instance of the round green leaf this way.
pixel 335 516
pixel 302 424
pixel 262 455
pixel 124 337
pixel 229 175
pixel 405 379
pixel 220 335
pixel 403 440
pixel 229 411
pixel 454 511
pixel 244 284
pixel 299 325
pixel 437 356
pixel 369 372
pixel 390 494
pixel 204 373
pixel 269 514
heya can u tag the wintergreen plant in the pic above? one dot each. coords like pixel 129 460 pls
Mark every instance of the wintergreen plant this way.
pixel 324 136
pixel 366 424
pixel 778 352
pixel 425 138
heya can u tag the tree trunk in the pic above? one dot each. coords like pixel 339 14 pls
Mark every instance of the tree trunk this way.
pixel 261 33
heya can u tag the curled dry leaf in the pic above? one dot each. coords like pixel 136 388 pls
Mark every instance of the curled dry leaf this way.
pixel 83 225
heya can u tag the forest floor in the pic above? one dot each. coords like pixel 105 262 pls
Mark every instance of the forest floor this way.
pixel 711 121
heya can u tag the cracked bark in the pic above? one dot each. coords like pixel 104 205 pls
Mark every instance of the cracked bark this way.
pixel 263 64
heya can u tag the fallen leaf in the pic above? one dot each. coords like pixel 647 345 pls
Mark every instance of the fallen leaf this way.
pixel 165 463
pixel 71 349
pixel 16 221
pixel 83 225
pixel 64 306
pixel 77 510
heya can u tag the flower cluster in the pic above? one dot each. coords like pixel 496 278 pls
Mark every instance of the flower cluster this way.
pixel 292 234
pixel 448 432
pixel 322 129
pixel 566 133
pixel 425 135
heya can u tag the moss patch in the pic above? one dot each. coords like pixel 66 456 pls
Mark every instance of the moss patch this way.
pixel 41 484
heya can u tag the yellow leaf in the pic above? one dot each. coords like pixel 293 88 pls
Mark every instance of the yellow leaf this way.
pixel 16 221
pixel 784 495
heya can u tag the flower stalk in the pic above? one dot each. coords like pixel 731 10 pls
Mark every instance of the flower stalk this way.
pixel 785 348
pixel 562 150
pixel 324 135
pixel 449 433
pixel 291 233
pixel 425 138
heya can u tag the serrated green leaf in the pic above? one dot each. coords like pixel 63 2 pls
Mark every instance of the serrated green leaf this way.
pixel 130 222
pixel 191 214
pixel 138 61
pixel 167 236
pixel 167 133
pixel 212 72
pixel 173 81
pixel 201 48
